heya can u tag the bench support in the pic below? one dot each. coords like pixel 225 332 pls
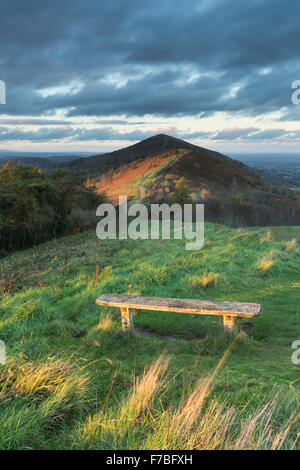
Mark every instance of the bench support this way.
pixel 228 323
pixel 127 320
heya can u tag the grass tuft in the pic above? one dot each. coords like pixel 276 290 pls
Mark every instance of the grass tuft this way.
pixel 291 245
pixel 265 264
pixel 105 322
pixel 208 279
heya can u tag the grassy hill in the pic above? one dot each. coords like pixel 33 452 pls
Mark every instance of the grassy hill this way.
pixel 99 164
pixel 233 194
pixel 158 174
pixel 133 179
pixel 74 380
pixel 158 144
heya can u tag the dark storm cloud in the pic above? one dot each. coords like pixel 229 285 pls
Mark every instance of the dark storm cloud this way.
pixel 171 58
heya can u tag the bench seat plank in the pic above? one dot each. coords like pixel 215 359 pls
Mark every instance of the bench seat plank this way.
pixel 205 307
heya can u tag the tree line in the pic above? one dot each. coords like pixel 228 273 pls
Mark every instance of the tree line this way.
pixel 37 206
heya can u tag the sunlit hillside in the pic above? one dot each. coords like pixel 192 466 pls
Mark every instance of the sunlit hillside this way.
pixel 233 193
pixel 130 179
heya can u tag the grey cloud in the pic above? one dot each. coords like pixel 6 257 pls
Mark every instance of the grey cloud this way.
pixel 159 47
pixel 251 133
pixel 33 122
pixel 269 134
pixel 103 134
pixel 69 134
pixel 233 134
pixel 41 135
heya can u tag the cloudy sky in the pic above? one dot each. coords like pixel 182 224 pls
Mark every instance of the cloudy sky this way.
pixel 95 75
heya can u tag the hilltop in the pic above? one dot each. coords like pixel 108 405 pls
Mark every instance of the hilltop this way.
pixel 158 144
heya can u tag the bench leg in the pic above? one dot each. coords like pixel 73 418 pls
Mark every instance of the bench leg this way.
pixel 127 320
pixel 228 322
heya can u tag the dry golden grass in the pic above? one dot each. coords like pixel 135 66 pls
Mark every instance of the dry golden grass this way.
pixel 105 322
pixel 200 421
pixel 266 237
pixel 207 279
pixel 144 391
pixel 265 264
pixel 105 273
pixel 291 245
pixel 131 411
pixel 42 381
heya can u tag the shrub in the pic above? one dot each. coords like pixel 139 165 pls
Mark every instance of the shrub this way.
pixel 181 192
pixel 35 207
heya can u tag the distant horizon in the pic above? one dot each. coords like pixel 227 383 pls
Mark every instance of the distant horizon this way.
pixel 86 153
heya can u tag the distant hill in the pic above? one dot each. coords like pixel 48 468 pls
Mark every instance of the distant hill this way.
pixel 47 162
pixel 232 192
pixel 205 172
pixel 161 156
pixel 43 163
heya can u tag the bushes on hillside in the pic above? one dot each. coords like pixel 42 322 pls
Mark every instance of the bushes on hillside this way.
pixel 253 208
pixel 35 207
pixel 182 192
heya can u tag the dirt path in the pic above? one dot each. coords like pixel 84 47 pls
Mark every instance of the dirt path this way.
pixel 142 191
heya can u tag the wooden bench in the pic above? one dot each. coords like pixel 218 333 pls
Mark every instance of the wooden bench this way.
pixel 229 310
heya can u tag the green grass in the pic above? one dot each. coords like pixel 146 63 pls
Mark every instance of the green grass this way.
pixel 70 367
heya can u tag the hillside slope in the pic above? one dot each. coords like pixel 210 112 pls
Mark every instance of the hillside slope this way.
pixel 232 193
pixel 205 174
pixel 69 373
pixel 203 168
pixel 158 144
pixel 130 179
